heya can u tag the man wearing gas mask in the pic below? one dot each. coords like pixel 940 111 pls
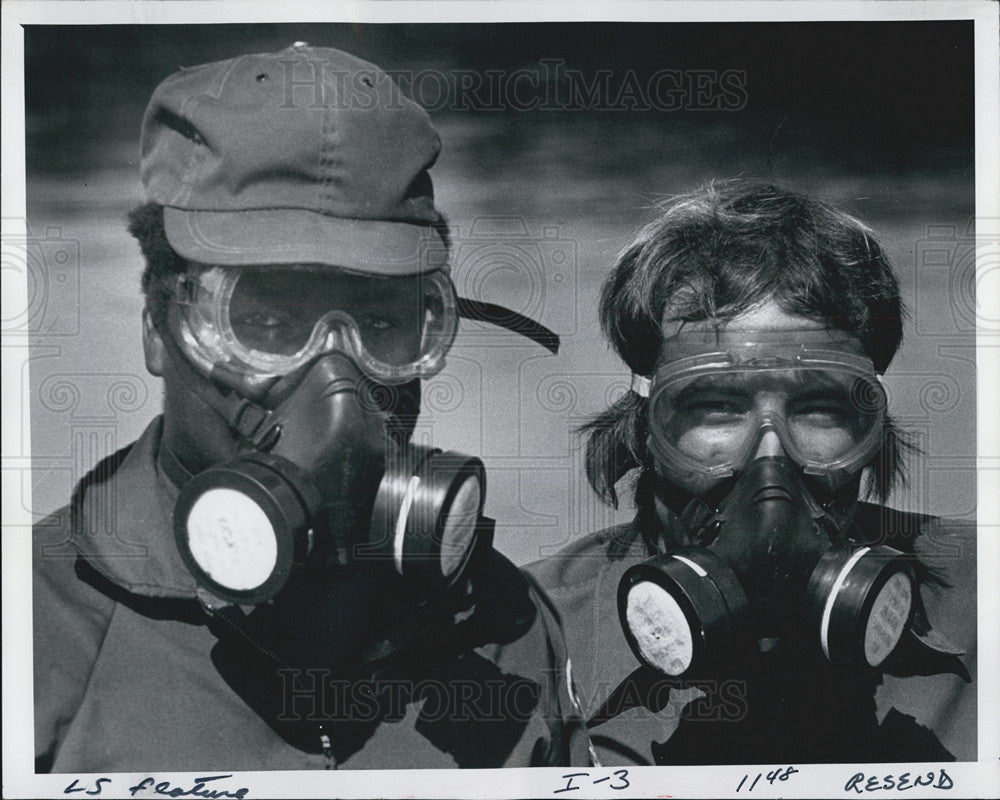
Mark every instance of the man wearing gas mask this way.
pixel 756 611
pixel 313 591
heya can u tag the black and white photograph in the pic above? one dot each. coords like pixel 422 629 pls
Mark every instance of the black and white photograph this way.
pixel 397 396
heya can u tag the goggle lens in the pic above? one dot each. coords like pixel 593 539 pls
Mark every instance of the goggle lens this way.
pixel 823 415
pixel 271 321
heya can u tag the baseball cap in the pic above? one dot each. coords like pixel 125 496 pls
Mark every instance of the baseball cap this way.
pixel 306 155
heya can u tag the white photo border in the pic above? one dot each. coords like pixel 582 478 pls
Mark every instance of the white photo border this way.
pixel 970 779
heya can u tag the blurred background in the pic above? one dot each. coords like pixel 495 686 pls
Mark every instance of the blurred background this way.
pixel 559 139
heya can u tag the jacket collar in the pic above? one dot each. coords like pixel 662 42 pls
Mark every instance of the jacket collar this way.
pixel 123 526
pixel 615 662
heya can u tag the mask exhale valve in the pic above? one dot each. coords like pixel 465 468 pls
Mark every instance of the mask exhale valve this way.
pixel 247 527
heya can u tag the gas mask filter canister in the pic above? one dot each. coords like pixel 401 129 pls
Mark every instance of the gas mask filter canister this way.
pixel 767 559
pixel 685 612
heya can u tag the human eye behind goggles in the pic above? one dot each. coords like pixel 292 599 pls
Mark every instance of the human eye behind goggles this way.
pixel 820 411
pixel 713 406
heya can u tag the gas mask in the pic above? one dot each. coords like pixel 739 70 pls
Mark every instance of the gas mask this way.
pixel 331 546
pixel 768 431
pixel 315 359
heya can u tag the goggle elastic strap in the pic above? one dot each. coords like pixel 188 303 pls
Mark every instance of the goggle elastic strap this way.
pixel 511 320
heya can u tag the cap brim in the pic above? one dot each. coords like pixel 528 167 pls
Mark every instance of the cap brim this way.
pixel 293 236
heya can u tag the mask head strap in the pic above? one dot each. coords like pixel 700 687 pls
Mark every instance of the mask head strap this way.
pixel 511 320
pixel 254 423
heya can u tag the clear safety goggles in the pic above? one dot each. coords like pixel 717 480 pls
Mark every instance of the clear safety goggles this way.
pixel 716 395
pixel 267 322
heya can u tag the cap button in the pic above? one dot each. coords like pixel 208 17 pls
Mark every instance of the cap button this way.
pixel 300 44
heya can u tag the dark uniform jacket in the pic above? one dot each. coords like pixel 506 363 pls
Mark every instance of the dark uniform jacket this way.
pixel 125 679
pixel 795 708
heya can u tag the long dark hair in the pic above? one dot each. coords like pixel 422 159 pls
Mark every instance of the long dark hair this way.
pixel 720 251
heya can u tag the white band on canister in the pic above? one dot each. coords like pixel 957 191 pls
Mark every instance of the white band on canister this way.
pixel 831 599
pixel 404 512
pixel 700 572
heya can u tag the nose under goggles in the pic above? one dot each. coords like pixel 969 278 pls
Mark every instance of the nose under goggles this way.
pixel 716 394
pixel 267 322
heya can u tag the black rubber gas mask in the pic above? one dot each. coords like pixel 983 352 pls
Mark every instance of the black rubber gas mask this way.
pixel 767 431
pixel 329 488
pixel 316 359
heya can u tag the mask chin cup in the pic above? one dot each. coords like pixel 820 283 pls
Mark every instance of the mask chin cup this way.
pixel 246 528
pixel 682 613
pixel 860 603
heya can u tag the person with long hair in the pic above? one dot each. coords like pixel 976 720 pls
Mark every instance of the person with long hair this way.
pixel 764 605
